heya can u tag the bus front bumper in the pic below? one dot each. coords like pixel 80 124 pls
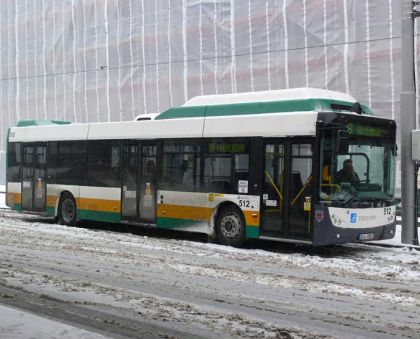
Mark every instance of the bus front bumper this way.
pixel 325 233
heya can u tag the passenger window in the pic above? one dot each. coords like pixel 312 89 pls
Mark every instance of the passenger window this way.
pixel 181 166
pixel 13 162
pixel 218 173
pixel 104 164
pixel 67 162
pixel 226 166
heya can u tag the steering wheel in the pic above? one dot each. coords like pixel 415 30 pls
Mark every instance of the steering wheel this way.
pixel 366 181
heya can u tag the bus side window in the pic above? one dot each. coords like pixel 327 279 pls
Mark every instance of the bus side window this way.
pixel 181 166
pixel 103 164
pixel 217 173
pixel 226 167
pixel 13 162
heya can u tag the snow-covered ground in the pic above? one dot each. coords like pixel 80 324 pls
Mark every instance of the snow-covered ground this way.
pixel 2 196
pixel 121 283
pixel 397 239
pixel 20 324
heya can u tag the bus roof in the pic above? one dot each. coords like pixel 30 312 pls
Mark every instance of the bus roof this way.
pixel 251 125
pixel 265 96
pixel 278 101
pixel 226 115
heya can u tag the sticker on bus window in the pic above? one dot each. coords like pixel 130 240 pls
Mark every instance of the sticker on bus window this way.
pixel 243 186
pixel 130 194
pixel 271 203
pixel 307 204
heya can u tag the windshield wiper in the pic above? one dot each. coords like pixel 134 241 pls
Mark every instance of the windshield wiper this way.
pixel 345 201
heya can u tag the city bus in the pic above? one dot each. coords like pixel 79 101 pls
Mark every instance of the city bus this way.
pixel 301 165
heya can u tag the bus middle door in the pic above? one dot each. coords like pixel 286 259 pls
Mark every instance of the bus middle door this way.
pixel 34 174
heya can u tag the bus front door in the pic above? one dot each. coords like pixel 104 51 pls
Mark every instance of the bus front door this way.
pixel 272 204
pixel 34 174
pixel 300 190
pixel 286 202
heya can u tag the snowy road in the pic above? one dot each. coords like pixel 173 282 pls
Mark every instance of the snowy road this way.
pixel 121 285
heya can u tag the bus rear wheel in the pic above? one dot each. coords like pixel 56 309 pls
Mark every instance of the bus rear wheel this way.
pixel 230 226
pixel 67 213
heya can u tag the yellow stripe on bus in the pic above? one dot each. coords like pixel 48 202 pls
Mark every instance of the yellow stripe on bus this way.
pixel 14 198
pixel 100 205
pixel 51 199
pixel 252 218
pixel 184 212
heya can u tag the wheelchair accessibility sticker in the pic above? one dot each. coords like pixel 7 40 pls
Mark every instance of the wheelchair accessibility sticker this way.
pixel 353 218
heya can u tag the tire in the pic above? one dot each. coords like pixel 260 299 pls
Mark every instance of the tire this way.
pixel 230 226
pixel 67 210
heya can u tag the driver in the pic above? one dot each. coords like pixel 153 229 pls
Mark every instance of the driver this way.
pixel 347 173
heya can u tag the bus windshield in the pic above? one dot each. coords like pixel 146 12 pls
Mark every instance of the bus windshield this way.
pixel 356 169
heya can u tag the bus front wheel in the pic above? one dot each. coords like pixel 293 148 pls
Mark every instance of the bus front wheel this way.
pixel 67 210
pixel 230 226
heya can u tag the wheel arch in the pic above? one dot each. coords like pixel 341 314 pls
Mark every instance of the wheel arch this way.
pixel 57 201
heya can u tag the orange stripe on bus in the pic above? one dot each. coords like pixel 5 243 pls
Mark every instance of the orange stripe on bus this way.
pixel 252 218
pixel 14 198
pixel 51 199
pixel 184 212
pixel 100 205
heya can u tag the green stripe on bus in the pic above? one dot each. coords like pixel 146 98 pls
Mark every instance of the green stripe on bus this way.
pixel 168 223
pixel 317 105
pixel 27 123
pixel 98 216
pixel 175 222
pixel 50 211
pixel 17 207
pixel 252 232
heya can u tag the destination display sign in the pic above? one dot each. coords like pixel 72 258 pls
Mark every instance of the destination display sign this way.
pixel 356 129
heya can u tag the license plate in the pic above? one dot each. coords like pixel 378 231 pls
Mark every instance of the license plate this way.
pixel 366 236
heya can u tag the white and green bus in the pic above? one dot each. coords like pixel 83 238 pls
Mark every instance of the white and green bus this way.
pixel 300 165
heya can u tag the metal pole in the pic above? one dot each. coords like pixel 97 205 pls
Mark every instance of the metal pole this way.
pixel 407 122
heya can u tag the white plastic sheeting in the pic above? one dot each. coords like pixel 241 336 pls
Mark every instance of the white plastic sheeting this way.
pixel 107 60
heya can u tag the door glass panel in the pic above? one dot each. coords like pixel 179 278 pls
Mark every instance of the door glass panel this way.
pixel 27 177
pixel 147 202
pixel 40 174
pixel 129 180
pixel 272 202
pixel 301 183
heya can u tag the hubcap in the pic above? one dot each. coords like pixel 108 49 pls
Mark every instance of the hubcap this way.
pixel 67 211
pixel 231 226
